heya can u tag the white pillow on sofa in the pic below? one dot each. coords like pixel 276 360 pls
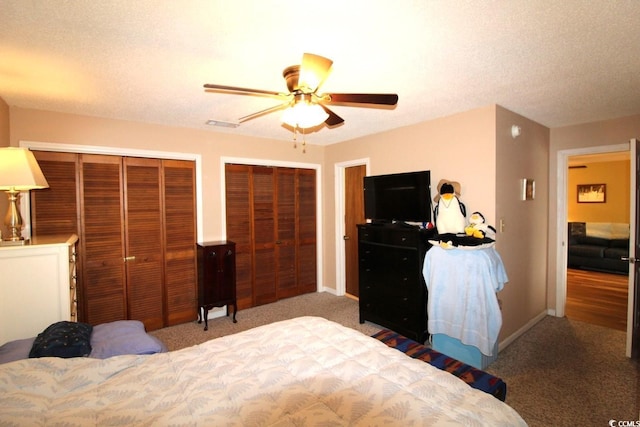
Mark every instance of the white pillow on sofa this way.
pixel 607 230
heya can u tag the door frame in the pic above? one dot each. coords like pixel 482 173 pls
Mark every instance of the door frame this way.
pixel 561 226
pixel 285 164
pixel 341 269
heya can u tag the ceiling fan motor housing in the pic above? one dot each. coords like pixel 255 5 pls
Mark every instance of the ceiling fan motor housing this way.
pixel 291 75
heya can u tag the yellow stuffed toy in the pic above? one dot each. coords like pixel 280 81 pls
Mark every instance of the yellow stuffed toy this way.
pixel 478 229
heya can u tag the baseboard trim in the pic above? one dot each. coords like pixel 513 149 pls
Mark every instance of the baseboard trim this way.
pixel 329 291
pixel 511 338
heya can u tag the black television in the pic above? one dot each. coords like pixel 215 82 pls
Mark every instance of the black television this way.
pixel 399 197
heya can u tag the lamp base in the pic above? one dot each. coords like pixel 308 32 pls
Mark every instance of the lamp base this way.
pixel 13 220
pixel 14 242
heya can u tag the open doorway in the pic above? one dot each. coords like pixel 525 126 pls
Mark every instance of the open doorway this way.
pixel 598 200
pixel 561 232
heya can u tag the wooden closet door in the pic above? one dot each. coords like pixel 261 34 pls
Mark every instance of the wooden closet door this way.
pixel 286 271
pixel 88 196
pixel 55 210
pixel 102 230
pixel 144 240
pixel 306 229
pixel 271 215
pixel 239 216
pixel 264 235
pixel 180 241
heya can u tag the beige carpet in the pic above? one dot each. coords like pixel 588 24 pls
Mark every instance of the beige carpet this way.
pixel 559 373
pixel 565 372
pixel 339 309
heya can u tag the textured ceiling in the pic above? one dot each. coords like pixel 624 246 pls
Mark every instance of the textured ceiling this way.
pixel 556 62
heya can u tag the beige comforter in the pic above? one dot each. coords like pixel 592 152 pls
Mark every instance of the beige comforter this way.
pixel 305 371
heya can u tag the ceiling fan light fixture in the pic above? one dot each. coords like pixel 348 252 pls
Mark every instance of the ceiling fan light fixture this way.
pixel 304 115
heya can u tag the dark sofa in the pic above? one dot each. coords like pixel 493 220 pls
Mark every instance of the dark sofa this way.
pixel 596 253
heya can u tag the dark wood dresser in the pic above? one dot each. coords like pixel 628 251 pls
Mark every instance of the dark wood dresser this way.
pixel 393 293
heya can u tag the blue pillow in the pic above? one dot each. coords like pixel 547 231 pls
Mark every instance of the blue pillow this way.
pixel 63 339
pixel 123 337
pixel 16 350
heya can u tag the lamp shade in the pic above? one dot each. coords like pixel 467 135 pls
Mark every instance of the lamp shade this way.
pixel 19 170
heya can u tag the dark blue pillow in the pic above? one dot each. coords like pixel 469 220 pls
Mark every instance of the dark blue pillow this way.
pixel 63 339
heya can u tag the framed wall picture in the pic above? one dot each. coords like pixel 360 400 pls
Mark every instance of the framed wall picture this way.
pixel 592 193
pixel 527 189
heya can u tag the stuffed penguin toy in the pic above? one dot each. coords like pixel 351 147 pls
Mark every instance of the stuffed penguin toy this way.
pixel 450 212
pixel 478 229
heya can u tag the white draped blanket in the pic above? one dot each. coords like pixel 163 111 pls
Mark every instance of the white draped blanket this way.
pixel 305 371
pixel 462 301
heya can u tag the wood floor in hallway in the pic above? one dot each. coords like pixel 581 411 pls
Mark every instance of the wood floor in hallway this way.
pixel 597 298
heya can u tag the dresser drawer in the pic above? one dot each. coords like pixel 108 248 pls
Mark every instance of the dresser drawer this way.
pixel 400 310
pixel 389 236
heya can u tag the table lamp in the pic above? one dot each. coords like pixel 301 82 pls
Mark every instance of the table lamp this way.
pixel 19 171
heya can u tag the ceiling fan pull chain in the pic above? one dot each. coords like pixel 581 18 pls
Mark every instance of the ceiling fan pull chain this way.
pixel 295 138
pixel 304 142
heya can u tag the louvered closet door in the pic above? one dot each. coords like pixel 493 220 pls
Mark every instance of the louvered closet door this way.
pixel 264 235
pixel 124 207
pixel 271 217
pixel 144 259
pixel 102 230
pixel 180 237
pixel 306 231
pixel 55 211
pixel 239 216
pixel 286 265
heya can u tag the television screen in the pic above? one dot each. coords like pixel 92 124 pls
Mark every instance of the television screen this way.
pixel 398 197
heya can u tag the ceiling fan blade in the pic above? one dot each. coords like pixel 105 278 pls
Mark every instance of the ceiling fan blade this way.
pixel 263 112
pixel 313 70
pixel 361 98
pixel 244 90
pixel 333 119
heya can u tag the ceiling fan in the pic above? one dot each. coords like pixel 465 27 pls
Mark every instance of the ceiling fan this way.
pixel 305 107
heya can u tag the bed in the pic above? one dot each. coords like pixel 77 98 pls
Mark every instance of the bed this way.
pixel 304 371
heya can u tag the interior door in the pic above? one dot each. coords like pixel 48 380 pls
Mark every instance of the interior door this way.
pixel 633 320
pixel 353 215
